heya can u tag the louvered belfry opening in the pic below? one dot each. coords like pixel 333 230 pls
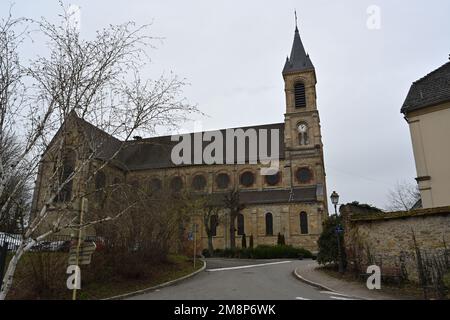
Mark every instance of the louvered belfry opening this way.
pixel 300 99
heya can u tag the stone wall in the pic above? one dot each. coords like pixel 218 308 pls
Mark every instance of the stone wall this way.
pixel 395 240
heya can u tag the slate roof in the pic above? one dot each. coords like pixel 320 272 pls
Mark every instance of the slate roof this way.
pixel 155 153
pixel 299 60
pixel 304 194
pixel 430 90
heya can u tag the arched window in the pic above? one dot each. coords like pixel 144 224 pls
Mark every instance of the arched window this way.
pixel 240 224
pixel 213 221
pixel 303 136
pixel 269 224
pixel 100 184
pixel 300 98
pixel 100 181
pixel 176 184
pixel 65 172
pixel 155 185
pixel 199 182
pixel 222 181
pixel 247 179
pixel 304 223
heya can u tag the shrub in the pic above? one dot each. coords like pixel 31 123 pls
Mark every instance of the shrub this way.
pixel 328 248
pixel 265 252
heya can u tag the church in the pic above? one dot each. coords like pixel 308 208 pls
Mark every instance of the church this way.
pixel 291 201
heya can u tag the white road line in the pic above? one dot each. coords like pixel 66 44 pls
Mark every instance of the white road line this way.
pixel 301 298
pixel 249 266
pixel 340 298
pixel 334 293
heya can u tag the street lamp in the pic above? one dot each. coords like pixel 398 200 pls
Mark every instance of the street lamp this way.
pixel 335 200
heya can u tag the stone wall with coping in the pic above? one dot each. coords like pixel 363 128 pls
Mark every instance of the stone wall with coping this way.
pixel 393 240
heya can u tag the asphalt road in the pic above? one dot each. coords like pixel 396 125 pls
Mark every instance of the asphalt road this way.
pixel 232 279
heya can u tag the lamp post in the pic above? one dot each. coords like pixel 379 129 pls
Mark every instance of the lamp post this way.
pixel 335 200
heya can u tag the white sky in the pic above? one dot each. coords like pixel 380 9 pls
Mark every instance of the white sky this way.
pixel 232 53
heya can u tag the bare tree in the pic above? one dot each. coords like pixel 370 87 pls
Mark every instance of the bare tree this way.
pixel 80 82
pixel 233 204
pixel 403 197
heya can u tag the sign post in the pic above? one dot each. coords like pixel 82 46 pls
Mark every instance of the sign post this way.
pixel 195 243
pixel 84 204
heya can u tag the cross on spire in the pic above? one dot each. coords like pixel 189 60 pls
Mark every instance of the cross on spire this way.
pixel 296 24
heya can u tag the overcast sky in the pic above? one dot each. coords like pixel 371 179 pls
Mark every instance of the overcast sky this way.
pixel 233 52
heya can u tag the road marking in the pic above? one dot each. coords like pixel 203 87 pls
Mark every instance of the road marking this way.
pixel 334 293
pixel 301 298
pixel 340 298
pixel 249 266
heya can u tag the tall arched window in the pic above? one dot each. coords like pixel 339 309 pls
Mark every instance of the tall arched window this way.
pixel 304 223
pixel 65 173
pixel 269 224
pixel 300 98
pixel 240 224
pixel 100 184
pixel 213 221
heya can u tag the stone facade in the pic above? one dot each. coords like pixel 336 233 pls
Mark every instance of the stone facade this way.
pixel 300 188
pixel 392 239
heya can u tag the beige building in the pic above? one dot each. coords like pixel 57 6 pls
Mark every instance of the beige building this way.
pixel 292 202
pixel 427 111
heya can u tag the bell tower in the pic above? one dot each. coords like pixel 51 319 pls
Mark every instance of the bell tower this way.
pixel 302 134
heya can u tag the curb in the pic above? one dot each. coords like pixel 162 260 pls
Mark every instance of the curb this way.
pixel 320 286
pixel 311 283
pixel 166 284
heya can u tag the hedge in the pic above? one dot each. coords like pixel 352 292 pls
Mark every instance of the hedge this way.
pixel 263 252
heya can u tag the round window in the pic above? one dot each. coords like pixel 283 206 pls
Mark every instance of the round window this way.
pixel 199 182
pixel 273 179
pixel 222 180
pixel 176 184
pixel 247 179
pixel 304 175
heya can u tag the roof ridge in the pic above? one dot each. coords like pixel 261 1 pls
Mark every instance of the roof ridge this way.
pixel 432 72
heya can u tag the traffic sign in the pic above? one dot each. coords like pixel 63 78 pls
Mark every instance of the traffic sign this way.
pixel 84 254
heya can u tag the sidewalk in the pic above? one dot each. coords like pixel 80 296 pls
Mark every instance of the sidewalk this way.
pixel 308 273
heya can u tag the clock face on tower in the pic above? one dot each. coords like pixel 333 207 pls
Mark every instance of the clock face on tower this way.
pixel 302 128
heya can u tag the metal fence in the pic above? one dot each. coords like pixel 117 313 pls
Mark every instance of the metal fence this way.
pixel 53 243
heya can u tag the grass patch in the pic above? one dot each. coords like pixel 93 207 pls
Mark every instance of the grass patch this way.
pixel 43 276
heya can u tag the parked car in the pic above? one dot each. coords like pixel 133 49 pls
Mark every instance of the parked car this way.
pixel 13 240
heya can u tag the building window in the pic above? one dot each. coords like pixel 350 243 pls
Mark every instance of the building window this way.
pixel 303 137
pixel 300 98
pixel 304 175
pixel 222 181
pixel 68 167
pixel 247 179
pixel 303 223
pixel 176 184
pixel 199 182
pixel 213 221
pixel 273 179
pixel 117 181
pixel 240 224
pixel 269 224
pixel 155 185
pixel 100 181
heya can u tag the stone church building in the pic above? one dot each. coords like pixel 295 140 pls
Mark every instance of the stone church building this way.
pixel 292 202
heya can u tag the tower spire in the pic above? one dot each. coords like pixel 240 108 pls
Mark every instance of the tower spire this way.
pixel 298 60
